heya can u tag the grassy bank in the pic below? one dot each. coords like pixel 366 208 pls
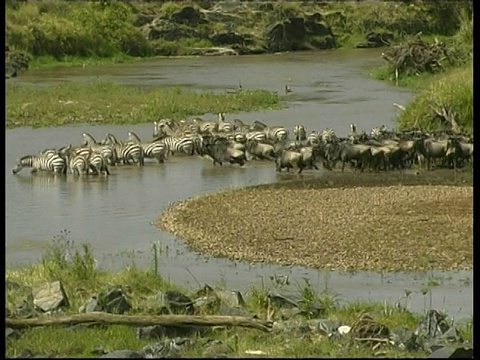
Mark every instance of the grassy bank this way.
pixel 444 94
pixel 70 33
pixel 453 92
pixel 105 103
pixel 81 280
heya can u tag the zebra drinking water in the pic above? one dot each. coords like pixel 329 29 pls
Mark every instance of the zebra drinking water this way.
pixel 50 163
pixel 107 151
pixel 125 153
pixel 152 150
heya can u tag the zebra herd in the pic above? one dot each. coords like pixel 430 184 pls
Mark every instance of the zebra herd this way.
pixel 236 143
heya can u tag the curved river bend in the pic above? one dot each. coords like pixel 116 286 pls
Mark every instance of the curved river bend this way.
pixel 330 89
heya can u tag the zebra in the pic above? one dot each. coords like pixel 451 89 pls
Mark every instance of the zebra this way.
pixel 276 133
pixel 238 125
pixel 79 165
pixel 328 135
pixel 151 150
pixel 98 163
pixel 314 138
pixel 205 126
pixel 50 163
pixel 224 126
pixel 125 152
pixel 179 144
pixel 106 150
pixel 256 135
pixel 299 132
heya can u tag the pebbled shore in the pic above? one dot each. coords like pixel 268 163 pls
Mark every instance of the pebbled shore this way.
pixel 391 228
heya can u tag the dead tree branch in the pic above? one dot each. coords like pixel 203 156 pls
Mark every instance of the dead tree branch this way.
pixel 134 320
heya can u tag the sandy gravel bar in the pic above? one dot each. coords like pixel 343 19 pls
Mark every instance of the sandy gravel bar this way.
pixel 394 228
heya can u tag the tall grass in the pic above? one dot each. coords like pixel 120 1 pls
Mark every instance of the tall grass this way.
pixel 106 103
pixel 452 90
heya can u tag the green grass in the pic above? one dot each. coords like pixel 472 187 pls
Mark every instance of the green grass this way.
pixel 106 103
pixel 452 90
pixel 81 279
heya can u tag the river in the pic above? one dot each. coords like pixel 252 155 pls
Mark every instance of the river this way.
pixel 330 89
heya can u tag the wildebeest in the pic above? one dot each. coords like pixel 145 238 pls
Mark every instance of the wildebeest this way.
pixel 290 159
pixel 345 152
pixel 220 152
pixel 260 150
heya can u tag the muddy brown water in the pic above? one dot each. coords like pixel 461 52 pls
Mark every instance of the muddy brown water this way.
pixel 330 89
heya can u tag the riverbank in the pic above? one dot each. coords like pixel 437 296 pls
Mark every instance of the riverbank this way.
pixel 305 323
pixel 99 103
pixel 125 31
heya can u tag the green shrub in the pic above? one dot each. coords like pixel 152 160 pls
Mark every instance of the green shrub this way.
pixel 452 91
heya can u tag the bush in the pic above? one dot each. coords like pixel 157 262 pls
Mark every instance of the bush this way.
pixel 452 91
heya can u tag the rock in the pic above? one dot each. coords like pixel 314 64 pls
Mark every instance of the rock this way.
pixel 99 350
pixel 451 353
pixel 150 332
pixel 323 326
pixel 122 354
pixel 8 313
pixel 283 301
pixel 230 311
pixel 143 19
pixel 114 301
pixel 230 38
pixel 159 331
pixel 170 348
pixel 375 40
pixel 187 15
pixel 26 354
pixel 169 31
pixel 50 297
pixel 230 298
pixel 12 333
pixel 26 310
pixel 175 302
pixel 119 305
pixel 90 306
pixel 213 16
pixel 216 348
pixel 295 327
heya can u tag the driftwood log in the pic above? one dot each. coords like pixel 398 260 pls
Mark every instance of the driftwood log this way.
pixel 133 320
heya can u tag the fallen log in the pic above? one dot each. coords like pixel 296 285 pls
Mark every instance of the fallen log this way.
pixel 134 320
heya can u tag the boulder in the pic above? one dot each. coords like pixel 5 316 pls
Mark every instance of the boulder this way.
pixel 376 39
pixel 50 297
pixel 175 302
pixel 112 300
pixel 230 38
pixel 293 33
pixel 188 16
pixel 169 31
pixel 216 348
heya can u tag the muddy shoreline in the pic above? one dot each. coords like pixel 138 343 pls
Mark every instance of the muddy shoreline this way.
pixel 399 222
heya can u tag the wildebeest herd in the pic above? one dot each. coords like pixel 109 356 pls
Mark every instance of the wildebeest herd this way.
pixel 237 143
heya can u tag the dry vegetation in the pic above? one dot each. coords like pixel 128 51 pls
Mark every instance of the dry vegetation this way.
pixel 391 228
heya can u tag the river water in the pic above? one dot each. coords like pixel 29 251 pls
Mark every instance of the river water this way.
pixel 330 89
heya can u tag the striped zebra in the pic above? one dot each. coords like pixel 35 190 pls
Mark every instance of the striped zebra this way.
pixel 300 132
pixel 259 136
pixel 50 163
pixel 106 150
pixel 314 138
pixel 98 164
pixel 79 165
pixel 180 144
pixel 328 135
pixel 125 153
pixel 205 126
pixel 224 126
pixel 151 149
pixel 276 133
